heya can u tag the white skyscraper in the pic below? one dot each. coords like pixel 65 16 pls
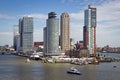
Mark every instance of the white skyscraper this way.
pixel 90 30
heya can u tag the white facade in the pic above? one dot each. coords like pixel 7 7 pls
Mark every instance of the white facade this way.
pixel 90 23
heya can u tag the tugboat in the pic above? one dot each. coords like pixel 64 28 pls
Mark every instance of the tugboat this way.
pixel 74 71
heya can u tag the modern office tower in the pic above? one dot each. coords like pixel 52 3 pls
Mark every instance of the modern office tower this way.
pixel 15 33
pixel 65 32
pixel 26 33
pixel 90 29
pixel 51 35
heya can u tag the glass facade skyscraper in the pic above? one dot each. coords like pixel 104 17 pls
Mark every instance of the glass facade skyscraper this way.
pixel 90 30
pixel 26 33
pixel 51 35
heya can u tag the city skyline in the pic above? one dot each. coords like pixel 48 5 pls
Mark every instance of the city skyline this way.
pixel 107 32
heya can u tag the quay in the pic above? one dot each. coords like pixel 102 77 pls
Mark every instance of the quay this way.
pixel 76 61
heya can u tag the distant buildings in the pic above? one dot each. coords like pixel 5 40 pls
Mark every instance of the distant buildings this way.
pixel 72 44
pixel 38 44
pixel 109 49
pixel 89 34
pixel 65 32
pixel 26 33
pixel 51 35
pixel 45 40
pixel 53 41
pixel 16 37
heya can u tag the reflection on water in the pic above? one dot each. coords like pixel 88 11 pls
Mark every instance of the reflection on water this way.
pixel 15 68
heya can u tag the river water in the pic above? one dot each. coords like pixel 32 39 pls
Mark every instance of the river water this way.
pixel 15 68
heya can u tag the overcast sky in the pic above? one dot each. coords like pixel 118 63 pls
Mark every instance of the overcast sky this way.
pixel 108 18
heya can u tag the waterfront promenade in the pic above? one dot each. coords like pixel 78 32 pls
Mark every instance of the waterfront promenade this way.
pixel 15 68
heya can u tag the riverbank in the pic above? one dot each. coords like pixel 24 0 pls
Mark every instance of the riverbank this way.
pixel 76 61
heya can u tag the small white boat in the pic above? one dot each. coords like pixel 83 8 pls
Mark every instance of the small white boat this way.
pixel 28 60
pixel 114 66
pixel 74 71
pixel 34 56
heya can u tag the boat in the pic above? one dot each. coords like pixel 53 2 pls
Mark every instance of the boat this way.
pixel 74 71
pixel 35 56
pixel 28 60
pixel 114 66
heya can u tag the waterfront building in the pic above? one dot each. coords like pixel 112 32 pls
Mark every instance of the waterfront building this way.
pixel 51 35
pixel 79 45
pixel 89 30
pixel 26 33
pixel 72 43
pixel 38 46
pixel 65 32
pixel 45 40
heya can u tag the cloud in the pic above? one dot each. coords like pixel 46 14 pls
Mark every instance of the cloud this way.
pixel 77 16
pixel 37 16
pixel 6 38
pixel 5 16
pixel 84 3
pixel 6 33
pixel 108 23
pixel 63 1
pixel 109 11
pixel 38 34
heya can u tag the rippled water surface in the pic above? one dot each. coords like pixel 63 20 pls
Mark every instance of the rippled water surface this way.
pixel 15 68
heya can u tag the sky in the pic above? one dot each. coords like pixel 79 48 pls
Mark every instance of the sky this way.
pixel 108 18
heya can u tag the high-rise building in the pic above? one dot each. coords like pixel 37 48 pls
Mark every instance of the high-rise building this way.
pixel 65 32
pixel 45 40
pixel 90 29
pixel 51 35
pixel 26 33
